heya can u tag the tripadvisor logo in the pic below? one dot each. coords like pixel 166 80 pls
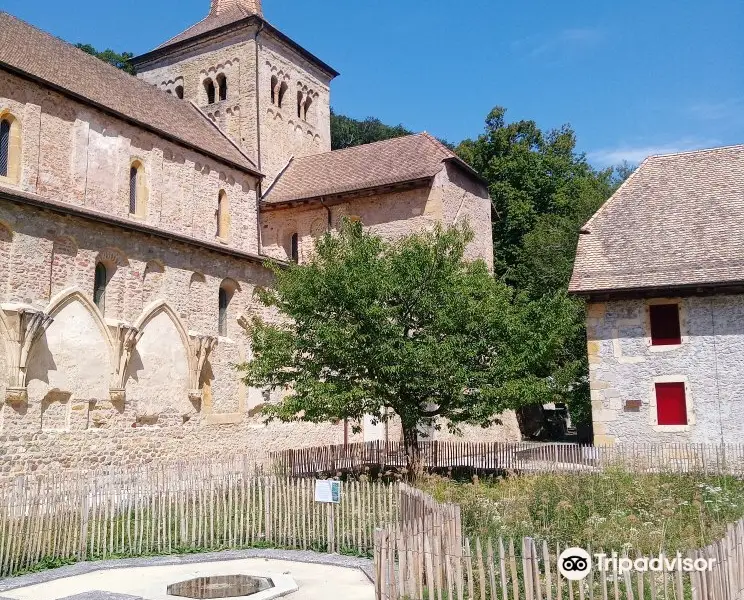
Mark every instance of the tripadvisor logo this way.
pixel 576 563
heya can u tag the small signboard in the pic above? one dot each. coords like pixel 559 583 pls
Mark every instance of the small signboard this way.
pixel 328 491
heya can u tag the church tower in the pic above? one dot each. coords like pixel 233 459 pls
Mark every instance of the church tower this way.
pixel 265 91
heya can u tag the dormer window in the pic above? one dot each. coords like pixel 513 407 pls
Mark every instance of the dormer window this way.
pixel 210 91
pixel 222 86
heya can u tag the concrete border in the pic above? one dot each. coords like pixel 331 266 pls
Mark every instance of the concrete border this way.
pixel 81 568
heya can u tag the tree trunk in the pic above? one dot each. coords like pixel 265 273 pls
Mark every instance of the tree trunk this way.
pixel 413 453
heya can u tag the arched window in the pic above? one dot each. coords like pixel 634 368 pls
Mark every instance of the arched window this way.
pixel 306 108
pixel 10 147
pixel 209 89
pixel 300 105
pixel 4 147
pixel 99 287
pixel 222 85
pixel 224 301
pixel 282 90
pixel 295 248
pixel 223 216
pixel 274 89
pixel 137 189
pixel 179 91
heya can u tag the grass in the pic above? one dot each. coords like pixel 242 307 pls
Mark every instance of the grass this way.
pixel 614 509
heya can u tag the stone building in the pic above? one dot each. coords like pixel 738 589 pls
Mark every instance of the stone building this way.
pixel 660 265
pixel 136 216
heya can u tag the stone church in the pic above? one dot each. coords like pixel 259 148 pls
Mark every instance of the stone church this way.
pixel 136 217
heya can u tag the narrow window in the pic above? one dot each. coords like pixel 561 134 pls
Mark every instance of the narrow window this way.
pixel 179 91
pixel 99 287
pixel 274 89
pixel 665 329
pixel 282 90
pixel 300 106
pixel 223 215
pixel 306 107
pixel 222 85
pixel 4 147
pixel 295 248
pixel 224 302
pixel 671 403
pixel 133 183
pixel 209 89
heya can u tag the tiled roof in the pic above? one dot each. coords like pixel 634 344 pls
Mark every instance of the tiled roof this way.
pixel 388 162
pixel 210 22
pixel 44 57
pixel 678 221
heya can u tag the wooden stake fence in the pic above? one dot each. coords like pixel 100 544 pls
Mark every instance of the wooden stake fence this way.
pixel 412 564
pixel 709 459
pixel 167 510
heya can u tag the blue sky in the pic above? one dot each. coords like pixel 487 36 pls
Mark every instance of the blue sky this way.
pixel 633 78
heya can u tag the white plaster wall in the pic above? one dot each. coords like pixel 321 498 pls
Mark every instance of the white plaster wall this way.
pixel 60 384
pixel 624 367
pixel 158 375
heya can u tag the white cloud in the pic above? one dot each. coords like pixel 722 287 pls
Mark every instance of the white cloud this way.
pixel 635 154
pixel 567 39
pixel 731 109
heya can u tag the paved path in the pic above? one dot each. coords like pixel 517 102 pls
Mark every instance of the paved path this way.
pixel 318 576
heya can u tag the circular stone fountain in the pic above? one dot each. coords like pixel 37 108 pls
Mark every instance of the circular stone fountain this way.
pixel 220 586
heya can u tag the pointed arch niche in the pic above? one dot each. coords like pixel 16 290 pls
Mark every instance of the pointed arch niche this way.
pixel 158 375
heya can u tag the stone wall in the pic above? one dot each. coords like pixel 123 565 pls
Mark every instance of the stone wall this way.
pixel 81 156
pixel 452 197
pixel 624 368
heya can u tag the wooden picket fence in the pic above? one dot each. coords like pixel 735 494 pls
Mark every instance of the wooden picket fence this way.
pixel 491 457
pixel 416 564
pixel 49 519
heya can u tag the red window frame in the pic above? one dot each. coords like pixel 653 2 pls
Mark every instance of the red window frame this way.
pixel 665 325
pixel 671 403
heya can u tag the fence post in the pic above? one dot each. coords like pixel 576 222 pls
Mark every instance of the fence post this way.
pixel 84 510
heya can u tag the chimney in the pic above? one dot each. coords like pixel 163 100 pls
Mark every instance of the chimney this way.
pixel 250 6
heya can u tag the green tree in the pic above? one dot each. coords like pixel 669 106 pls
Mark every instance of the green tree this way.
pixel 542 192
pixel 347 132
pixel 119 60
pixel 408 329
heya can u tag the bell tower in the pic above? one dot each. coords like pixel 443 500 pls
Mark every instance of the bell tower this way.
pixel 252 7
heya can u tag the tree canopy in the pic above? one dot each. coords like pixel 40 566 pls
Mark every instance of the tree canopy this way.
pixel 119 60
pixel 409 329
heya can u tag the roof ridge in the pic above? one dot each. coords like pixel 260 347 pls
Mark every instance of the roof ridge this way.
pixel 169 40
pixel 696 151
pixel 438 144
pixel 350 148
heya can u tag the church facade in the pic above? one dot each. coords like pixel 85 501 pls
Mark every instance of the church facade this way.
pixel 136 217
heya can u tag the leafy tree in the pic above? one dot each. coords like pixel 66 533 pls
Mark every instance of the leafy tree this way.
pixel 347 132
pixel 119 60
pixel 542 192
pixel 407 329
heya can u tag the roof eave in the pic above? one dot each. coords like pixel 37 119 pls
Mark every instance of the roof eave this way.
pixel 651 291
pixel 169 48
pixel 346 194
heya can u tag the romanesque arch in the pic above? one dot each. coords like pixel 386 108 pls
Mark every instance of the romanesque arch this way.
pixel 69 366
pixel 157 379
